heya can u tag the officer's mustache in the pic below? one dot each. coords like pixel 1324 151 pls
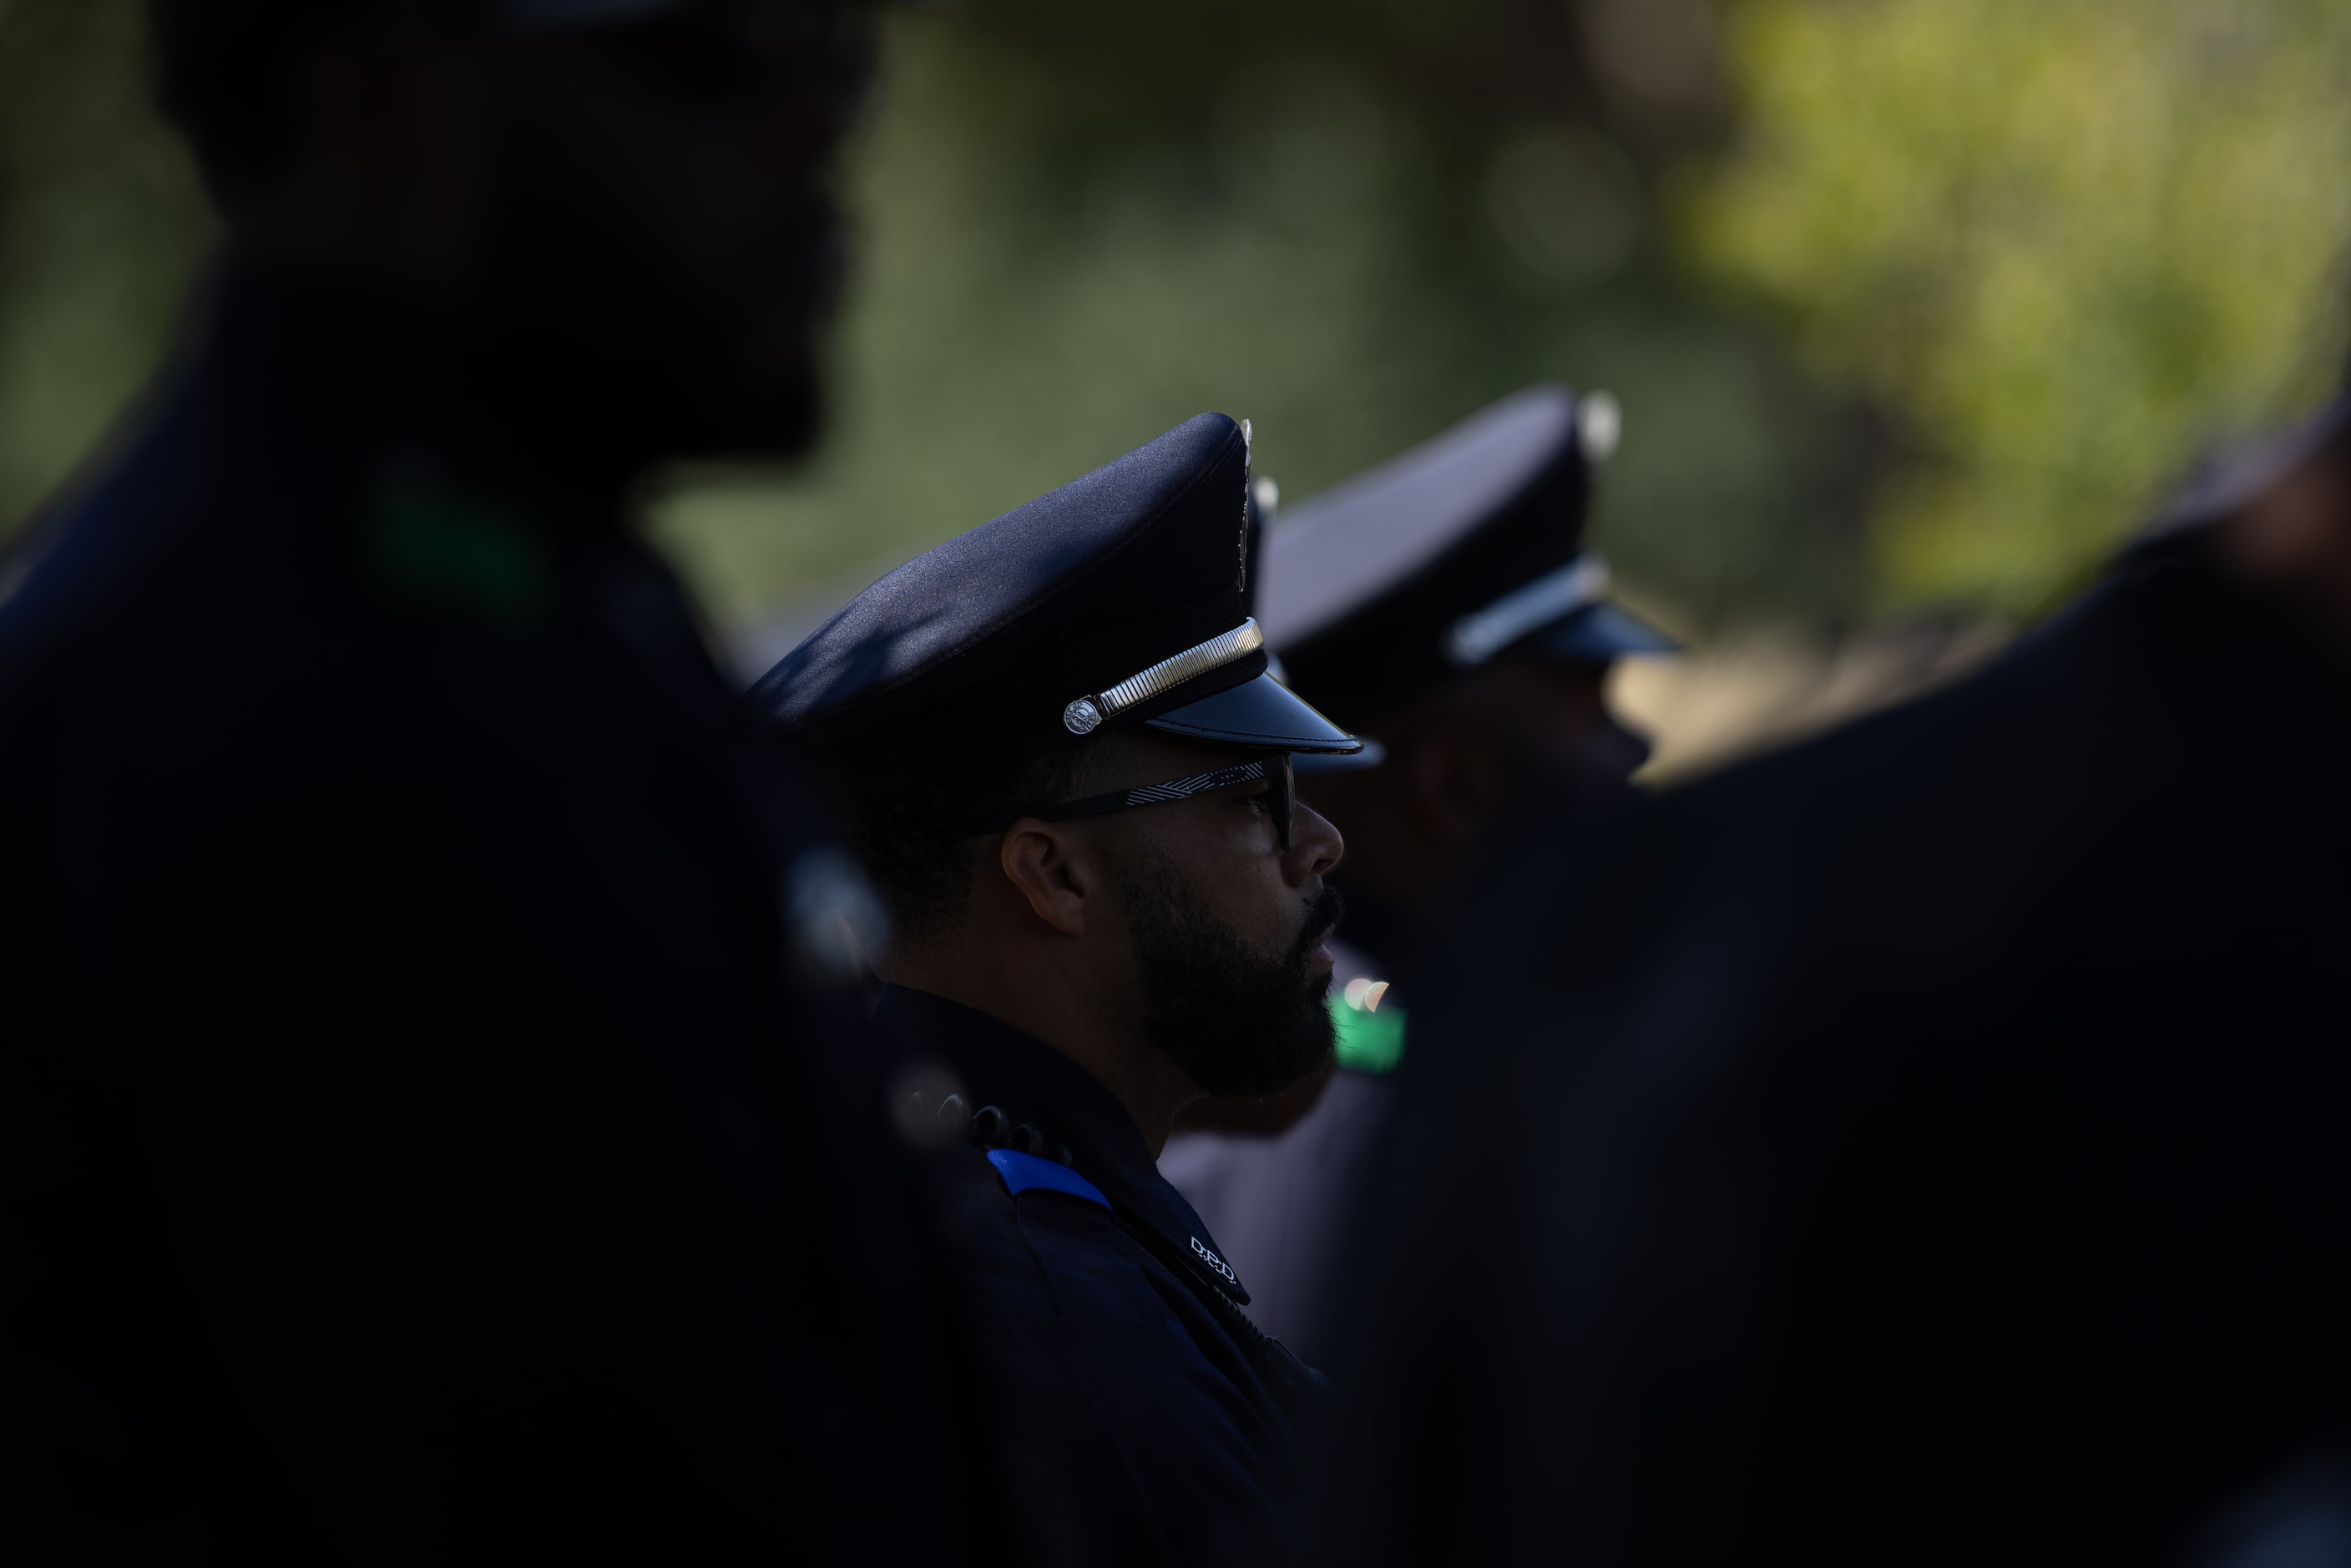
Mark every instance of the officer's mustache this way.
pixel 1322 918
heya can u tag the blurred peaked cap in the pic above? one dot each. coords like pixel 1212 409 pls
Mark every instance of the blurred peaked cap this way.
pixel 1435 563
pixel 2225 481
pixel 1264 497
pixel 1115 600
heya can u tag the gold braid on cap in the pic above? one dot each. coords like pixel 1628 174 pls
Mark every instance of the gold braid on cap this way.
pixel 1086 715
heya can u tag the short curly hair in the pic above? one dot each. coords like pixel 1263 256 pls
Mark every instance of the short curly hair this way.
pixel 921 846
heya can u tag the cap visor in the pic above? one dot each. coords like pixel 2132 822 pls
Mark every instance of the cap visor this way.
pixel 1371 755
pixel 1262 715
pixel 1599 635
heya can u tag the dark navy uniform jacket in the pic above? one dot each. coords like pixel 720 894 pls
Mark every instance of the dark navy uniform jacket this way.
pixel 1927 1146
pixel 413 1143
pixel 1287 1203
pixel 1140 1418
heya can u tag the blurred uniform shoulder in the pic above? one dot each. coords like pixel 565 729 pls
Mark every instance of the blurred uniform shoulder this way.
pixel 2150 724
pixel 124 537
pixel 2100 698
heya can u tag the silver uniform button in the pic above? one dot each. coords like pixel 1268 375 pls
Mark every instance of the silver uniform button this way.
pixel 1081 717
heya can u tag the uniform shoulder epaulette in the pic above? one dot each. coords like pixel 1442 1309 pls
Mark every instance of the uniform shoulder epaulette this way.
pixel 1025 1173
pixel 1022 1166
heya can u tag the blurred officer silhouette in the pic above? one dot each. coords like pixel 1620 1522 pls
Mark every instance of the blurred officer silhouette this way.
pixel 1930 1145
pixel 1448 603
pixel 1071 775
pixel 422 1135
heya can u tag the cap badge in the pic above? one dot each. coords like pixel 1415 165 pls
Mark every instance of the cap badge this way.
pixel 1081 717
pixel 1213 1261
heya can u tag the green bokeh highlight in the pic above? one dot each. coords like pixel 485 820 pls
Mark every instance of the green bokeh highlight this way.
pixel 1368 1041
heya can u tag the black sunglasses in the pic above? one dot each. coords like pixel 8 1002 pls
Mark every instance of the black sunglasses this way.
pixel 1275 770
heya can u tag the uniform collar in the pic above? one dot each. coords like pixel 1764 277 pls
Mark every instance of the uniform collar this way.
pixel 1034 1083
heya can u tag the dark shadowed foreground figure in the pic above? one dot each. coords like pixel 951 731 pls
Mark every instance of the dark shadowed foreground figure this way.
pixel 1071 775
pixel 413 1145
pixel 1447 603
pixel 1930 1147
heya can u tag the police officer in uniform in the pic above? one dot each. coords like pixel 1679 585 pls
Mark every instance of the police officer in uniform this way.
pixel 1929 1146
pixel 418 1139
pixel 1069 773
pixel 1446 606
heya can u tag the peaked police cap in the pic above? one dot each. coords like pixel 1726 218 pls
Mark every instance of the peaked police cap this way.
pixel 1463 548
pixel 1116 601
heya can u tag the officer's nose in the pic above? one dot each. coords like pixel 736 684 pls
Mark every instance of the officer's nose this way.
pixel 1633 749
pixel 1315 846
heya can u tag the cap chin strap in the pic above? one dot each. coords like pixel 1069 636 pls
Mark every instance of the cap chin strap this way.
pixel 1087 714
pixel 1482 633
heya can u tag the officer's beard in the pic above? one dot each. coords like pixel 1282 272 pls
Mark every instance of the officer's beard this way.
pixel 1234 1020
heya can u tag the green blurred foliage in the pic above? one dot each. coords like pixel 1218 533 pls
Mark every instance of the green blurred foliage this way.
pixel 100 223
pixel 1351 223
pixel 2047 248
pixel 2060 244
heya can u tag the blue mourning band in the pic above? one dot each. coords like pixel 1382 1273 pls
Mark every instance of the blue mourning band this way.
pixel 1026 1172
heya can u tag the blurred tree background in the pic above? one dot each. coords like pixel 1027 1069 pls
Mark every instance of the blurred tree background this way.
pixel 1911 303
pixel 101 226
pixel 2059 247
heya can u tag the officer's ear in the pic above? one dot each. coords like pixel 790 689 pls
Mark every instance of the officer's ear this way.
pixel 1049 865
